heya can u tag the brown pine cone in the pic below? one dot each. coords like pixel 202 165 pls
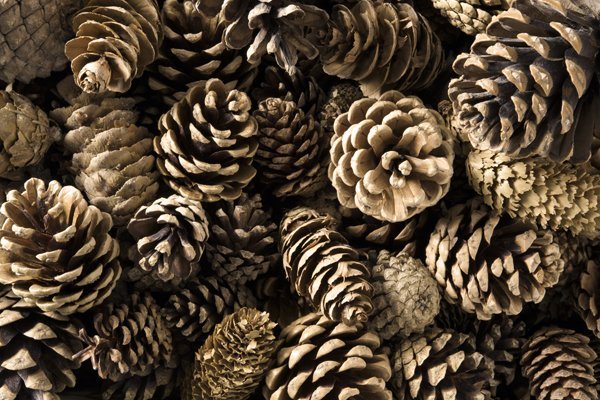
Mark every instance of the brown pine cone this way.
pixel 559 365
pixel 531 82
pixel 273 294
pixel 323 359
pixel 160 384
pixel 587 293
pixel 340 98
pixel 324 268
pixel 207 143
pixel 114 42
pixel 470 16
pixel 391 157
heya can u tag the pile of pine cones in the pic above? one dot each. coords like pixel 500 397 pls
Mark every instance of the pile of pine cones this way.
pixel 300 200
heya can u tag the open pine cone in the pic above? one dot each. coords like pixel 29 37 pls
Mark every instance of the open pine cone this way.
pixel 587 292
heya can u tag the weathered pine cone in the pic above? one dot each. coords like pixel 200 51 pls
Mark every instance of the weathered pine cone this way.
pixel 531 82
pixel 587 292
pixel 470 16
pixel 391 157
pixel 322 267
pixel 340 98
pixel 114 42
pixel 345 362
pixel 207 143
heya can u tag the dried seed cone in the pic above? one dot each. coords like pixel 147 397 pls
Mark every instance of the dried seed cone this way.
pixel 406 298
pixel 531 82
pixel 470 16
pixel 56 252
pixel 341 97
pixel 587 292
pixel 548 194
pixel 159 384
pixel 559 365
pixel 207 143
pixel 391 157
pixel 323 267
pixel 328 360
pixel 381 45
pixel 171 234
pixel 234 359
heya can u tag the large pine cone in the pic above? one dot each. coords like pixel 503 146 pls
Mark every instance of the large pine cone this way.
pixel 559 365
pixel 391 157
pixel 323 267
pixel 56 252
pixel 112 160
pixel 292 152
pixel 234 359
pixel 491 264
pixel 381 45
pixel 559 196
pixel 115 40
pixel 207 143
pixel 470 16
pixel 327 360
pixel 531 84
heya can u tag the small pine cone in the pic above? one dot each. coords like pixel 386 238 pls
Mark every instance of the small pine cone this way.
pixel 345 362
pixel 558 196
pixel 235 358
pixel 341 97
pixel 114 42
pixel 112 157
pixel 292 151
pixel 441 364
pixel 171 234
pixel 324 268
pixel 56 251
pixel 381 45
pixel 242 242
pixel 391 157
pixel 159 384
pixel 207 143
pixel 470 16
pixel 587 293
pixel 559 365
pixel 25 132
pixel 530 84
pixel 406 298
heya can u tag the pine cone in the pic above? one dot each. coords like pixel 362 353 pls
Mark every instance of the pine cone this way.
pixel 25 132
pixel 531 83
pixel 323 267
pixel 292 151
pixel 381 45
pixel 391 157
pixel 242 243
pixel 32 37
pixel 112 157
pixel 208 143
pixel 551 195
pixel 341 97
pixel 56 252
pixel 345 362
pixel 234 359
pixel 171 234
pixel 274 296
pixel 159 384
pixel 587 293
pixel 114 42
pixel 470 16
pixel 406 298
pixel 559 365
pixel 441 364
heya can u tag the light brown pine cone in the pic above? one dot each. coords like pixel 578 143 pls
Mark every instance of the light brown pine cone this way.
pixel 470 16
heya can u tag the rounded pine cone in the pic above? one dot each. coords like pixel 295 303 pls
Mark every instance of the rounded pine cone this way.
pixel 391 157
pixel 470 16
pixel 328 360
pixel 207 143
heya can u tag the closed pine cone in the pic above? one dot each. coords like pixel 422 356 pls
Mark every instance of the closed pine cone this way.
pixel 559 364
pixel 587 292
pixel 327 360
pixel 381 45
pixel 207 143
pixel 531 82
pixel 56 251
pixel 340 98
pixel 114 42
pixel 323 267
pixel 470 16
pixel 391 157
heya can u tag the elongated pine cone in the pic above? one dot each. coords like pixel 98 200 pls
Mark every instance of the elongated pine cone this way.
pixel 470 16
pixel 328 360
pixel 548 194
pixel 559 364
pixel 235 358
pixel 381 45
pixel 532 82
pixel 207 143
pixel 391 157
pixel 341 97
pixel 406 298
pixel 324 268
pixel 587 292
pixel 114 42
